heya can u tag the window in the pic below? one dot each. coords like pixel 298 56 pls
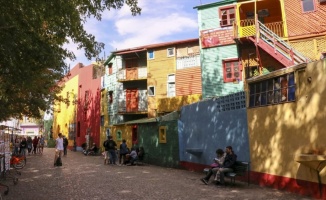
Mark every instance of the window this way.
pixel 110 68
pixel 171 85
pixel 272 91
pixel 102 120
pixel 162 134
pixel 308 5
pixel 150 54
pixel 170 52
pixel 232 70
pixel 151 91
pixel 227 16
pixel 110 96
pixel 119 135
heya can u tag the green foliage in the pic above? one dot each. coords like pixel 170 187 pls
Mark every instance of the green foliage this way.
pixel 51 143
pixel 32 35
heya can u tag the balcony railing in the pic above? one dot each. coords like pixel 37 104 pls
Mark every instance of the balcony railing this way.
pixel 247 27
pixel 189 61
pixel 134 73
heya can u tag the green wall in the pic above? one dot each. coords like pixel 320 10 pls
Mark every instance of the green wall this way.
pixel 161 154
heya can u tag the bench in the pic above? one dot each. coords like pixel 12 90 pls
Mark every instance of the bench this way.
pixel 240 168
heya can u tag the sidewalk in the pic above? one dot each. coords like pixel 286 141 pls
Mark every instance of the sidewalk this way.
pixel 86 177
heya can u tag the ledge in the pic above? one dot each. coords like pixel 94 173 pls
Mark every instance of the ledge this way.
pixel 194 150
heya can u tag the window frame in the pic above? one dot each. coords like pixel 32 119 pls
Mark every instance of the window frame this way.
pixel 303 9
pixel 149 89
pixel 227 8
pixel 272 91
pixel 232 79
pixel 173 52
pixel 110 70
pixel 151 53
pixel 162 134
pixel 167 85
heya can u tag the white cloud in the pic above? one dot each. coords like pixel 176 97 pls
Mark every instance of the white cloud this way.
pixel 160 21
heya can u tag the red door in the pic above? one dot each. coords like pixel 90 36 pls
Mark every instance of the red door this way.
pixel 132 100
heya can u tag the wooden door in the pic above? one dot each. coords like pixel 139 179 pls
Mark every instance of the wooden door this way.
pixel 131 69
pixel 132 100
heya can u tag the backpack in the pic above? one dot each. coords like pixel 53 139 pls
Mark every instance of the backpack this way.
pixel 105 143
pixel 111 144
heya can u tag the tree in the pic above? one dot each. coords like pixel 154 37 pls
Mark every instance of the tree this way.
pixel 32 35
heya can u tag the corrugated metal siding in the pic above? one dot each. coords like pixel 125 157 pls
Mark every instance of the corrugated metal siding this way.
pixel 300 23
pixel 188 81
pixel 212 71
pixel 142 100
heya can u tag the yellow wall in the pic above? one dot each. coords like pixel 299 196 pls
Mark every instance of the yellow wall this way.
pixel 104 112
pixel 158 70
pixel 278 133
pixel 126 134
pixel 67 113
pixel 175 103
pixel 311 47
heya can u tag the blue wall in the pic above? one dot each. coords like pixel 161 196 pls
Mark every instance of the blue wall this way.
pixel 203 127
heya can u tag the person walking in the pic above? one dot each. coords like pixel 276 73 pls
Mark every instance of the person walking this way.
pixel 41 144
pixel 23 145
pixel 35 143
pixel 16 145
pixel 65 145
pixel 111 148
pixel 58 149
pixel 29 145
pixel 106 151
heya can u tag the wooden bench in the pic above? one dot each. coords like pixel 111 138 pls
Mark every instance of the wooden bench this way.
pixel 240 168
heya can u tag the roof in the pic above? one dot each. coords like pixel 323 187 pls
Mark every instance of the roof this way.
pixel 151 46
pixel 218 3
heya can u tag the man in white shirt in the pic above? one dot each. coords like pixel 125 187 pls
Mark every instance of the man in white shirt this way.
pixel 58 148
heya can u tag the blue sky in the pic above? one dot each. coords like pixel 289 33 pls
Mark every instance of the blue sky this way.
pixel 160 21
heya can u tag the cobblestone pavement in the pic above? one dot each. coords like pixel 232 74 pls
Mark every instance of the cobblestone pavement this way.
pixel 86 177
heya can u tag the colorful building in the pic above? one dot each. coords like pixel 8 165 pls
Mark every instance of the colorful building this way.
pixel 149 81
pixel 221 68
pixel 78 116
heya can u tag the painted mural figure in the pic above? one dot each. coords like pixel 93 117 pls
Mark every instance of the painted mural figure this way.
pixel 218 162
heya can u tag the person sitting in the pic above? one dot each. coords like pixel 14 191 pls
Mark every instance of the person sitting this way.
pixel 218 162
pixel 91 151
pixel 132 157
pixel 228 164
pixel 141 154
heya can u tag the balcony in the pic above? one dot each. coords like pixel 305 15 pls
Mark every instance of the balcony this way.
pixel 133 102
pixel 189 61
pixel 132 74
pixel 247 28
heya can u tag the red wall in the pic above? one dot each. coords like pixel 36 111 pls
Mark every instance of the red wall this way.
pixel 88 118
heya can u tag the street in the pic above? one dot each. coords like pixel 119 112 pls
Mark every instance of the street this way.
pixel 86 177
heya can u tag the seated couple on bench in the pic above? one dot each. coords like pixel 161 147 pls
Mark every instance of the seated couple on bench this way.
pixel 134 156
pixel 223 163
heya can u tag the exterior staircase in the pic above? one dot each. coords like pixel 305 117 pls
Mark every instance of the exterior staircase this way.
pixel 276 47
